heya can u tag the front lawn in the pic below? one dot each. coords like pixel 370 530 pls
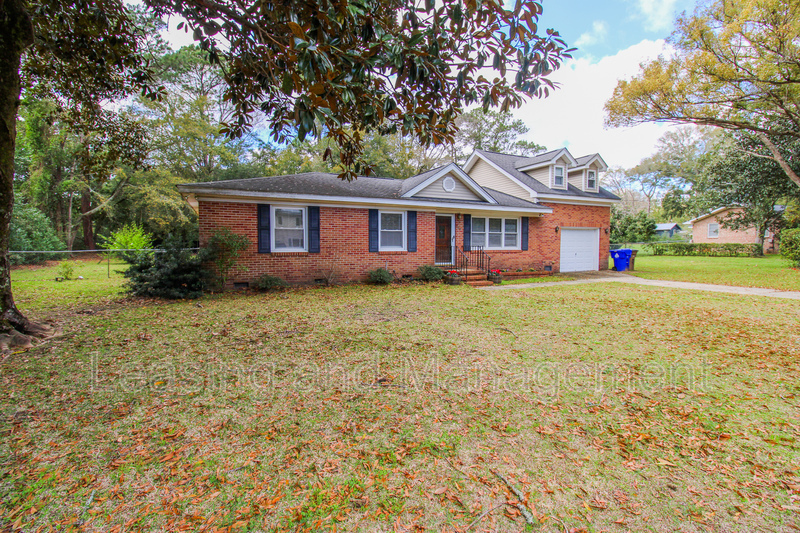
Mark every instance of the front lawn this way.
pixel 609 407
pixel 771 272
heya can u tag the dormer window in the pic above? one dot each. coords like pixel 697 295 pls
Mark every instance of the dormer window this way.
pixel 558 178
pixel 591 180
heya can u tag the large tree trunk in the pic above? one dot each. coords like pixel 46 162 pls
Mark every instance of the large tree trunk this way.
pixel 86 220
pixel 16 34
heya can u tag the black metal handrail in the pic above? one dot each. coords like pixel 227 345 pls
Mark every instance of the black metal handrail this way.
pixel 474 257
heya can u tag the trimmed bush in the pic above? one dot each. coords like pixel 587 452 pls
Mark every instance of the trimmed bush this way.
pixel 173 273
pixel 269 283
pixel 430 273
pixel 380 276
pixel 790 246
pixel 705 249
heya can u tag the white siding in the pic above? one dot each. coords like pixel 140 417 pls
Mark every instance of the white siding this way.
pixel 436 190
pixel 486 175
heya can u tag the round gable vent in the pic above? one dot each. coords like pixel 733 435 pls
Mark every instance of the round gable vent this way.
pixel 449 184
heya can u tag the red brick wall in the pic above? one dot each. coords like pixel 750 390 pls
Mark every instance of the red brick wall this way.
pixel 546 242
pixel 344 242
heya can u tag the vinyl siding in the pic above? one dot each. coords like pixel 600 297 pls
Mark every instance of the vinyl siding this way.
pixel 436 190
pixel 576 179
pixel 542 175
pixel 486 175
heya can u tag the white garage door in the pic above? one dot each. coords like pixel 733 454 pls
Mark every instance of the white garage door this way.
pixel 580 249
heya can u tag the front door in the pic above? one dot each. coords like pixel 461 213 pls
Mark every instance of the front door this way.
pixel 444 237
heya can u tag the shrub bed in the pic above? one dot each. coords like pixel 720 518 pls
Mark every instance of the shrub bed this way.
pixel 705 249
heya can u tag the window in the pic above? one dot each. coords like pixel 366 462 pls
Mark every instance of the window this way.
pixel 713 231
pixel 558 177
pixel 495 233
pixel 289 229
pixel 391 232
pixel 478 232
pixel 591 180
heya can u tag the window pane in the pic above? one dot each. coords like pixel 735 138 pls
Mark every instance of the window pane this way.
pixel 479 225
pixel 511 225
pixel 495 240
pixel 393 239
pixel 289 238
pixel 510 240
pixel 478 239
pixel 391 221
pixel 288 218
pixel 495 225
pixel 289 229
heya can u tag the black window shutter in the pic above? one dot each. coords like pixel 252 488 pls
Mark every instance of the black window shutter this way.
pixel 411 231
pixel 263 229
pixel 373 230
pixel 524 233
pixel 313 229
pixel 467 233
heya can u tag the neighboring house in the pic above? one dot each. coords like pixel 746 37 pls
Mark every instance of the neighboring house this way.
pixel 708 228
pixel 667 229
pixel 547 212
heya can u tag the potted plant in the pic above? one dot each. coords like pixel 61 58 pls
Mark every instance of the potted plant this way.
pixel 453 277
pixel 495 276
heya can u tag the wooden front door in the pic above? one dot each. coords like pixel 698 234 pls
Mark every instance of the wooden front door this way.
pixel 444 240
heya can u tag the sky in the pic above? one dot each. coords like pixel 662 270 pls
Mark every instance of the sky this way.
pixel 612 38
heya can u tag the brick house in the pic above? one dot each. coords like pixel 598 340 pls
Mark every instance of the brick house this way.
pixel 708 229
pixel 500 211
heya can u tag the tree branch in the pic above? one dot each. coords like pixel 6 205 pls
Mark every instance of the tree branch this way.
pixel 779 158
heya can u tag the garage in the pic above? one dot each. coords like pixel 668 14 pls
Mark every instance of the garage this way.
pixel 580 249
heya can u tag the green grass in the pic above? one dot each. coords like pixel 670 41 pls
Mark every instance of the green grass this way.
pixel 538 279
pixel 771 271
pixel 36 290
pixel 367 408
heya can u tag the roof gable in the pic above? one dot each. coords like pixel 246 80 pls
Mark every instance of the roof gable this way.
pixel 434 184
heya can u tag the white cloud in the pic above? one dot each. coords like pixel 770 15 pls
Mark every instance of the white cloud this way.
pixel 572 116
pixel 658 14
pixel 596 35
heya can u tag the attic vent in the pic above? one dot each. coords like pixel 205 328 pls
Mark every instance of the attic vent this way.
pixel 449 184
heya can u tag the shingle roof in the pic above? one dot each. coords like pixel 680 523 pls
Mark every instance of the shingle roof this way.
pixel 585 159
pixel 523 162
pixel 327 184
pixel 666 226
pixel 508 163
pixel 413 181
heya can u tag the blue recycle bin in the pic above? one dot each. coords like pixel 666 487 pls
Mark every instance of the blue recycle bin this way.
pixel 622 259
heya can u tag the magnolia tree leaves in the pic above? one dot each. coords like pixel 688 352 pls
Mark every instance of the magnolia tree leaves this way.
pixel 343 69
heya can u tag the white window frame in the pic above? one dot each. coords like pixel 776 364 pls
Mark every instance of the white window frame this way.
pixel 403 228
pixel 502 233
pixel 273 226
pixel 563 177
pixel 710 225
pixel 588 174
